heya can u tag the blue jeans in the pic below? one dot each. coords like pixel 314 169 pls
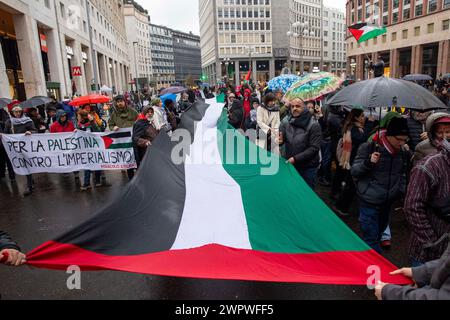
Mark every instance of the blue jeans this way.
pixel 309 175
pixel 373 222
pixel 415 263
pixel 386 234
pixel 87 177
pixel 325 166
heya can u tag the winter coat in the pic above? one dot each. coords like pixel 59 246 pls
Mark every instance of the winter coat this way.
pixel 302 137
pixel 143 132
pixel 88 127
pixel 3 118
pixel 57 127
pixel 416 128
pixel 6 242
pixel 381 183
pixel 20 128
pixel 428 147
pixel 266 120
pixel 433 281
pixel 236 115
pixel 334 124
pixel 123 119
pixel 430 182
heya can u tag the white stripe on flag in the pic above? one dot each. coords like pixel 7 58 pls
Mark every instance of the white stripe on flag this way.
pixel 213 211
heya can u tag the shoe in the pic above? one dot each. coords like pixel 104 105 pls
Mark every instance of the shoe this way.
pixel 85 188
pixel 28 192
pixel 98 185
pixel 386 244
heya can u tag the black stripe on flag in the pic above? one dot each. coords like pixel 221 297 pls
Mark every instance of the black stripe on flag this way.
pixel 147 216
pixel 118 135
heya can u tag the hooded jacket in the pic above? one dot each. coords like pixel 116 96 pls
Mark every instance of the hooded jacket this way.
pixel 58 127
pixel 428 147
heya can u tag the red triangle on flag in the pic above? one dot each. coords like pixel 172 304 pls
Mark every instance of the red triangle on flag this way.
pixel 108 142
pixel 356 33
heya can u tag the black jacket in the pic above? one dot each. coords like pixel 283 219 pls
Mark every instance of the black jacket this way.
pixel 302 137
pixel 416 128
pixel 381 183
pixel 6 242
pixel 18 129
pixel 236 115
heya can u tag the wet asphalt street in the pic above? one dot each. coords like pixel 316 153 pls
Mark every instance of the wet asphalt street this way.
pixel 57 205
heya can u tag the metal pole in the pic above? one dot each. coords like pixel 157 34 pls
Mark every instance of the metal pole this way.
pixel 136 75
pixel 91 43
pixel 321 36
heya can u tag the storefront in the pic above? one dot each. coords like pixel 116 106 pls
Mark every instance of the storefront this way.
pixel 11 57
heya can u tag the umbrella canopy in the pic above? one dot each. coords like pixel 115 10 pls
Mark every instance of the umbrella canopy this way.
pixel 417 77
pixel 283 82
pixel 35 101
pixel 92 98
pixel 387 92
pixel 4 102
pixel 105 89
pixel 168 96
pixel 446 76
pixel 174 90
pixel 314 86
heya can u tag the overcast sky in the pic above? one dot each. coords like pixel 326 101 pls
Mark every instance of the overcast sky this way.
pixel 183 14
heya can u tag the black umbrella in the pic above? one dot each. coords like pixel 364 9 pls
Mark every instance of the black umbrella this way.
pixel 417 77
pixel 35 101
pixel 4 102
pixel 385 92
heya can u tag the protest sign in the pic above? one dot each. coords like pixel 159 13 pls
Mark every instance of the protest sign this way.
pixel 69 152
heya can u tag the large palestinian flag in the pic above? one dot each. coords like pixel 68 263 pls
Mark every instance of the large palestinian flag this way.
pixel 215 215
pixel 364 31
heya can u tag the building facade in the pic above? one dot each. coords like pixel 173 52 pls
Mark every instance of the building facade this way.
pixel 417 39
pixel 138 38
pixel 187 57
pixel 161 42
pixel 265 36
pixel 46 47
pixel 334 47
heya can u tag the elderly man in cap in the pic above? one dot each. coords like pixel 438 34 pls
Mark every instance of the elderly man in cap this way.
pixel 122 117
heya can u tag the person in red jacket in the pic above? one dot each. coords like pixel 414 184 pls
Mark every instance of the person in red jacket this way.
pixel 62 124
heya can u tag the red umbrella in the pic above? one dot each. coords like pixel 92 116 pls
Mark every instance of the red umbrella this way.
pixel 92 98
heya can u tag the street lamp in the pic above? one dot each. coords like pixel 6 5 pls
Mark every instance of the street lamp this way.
pixel 226 62
pixel 299 30
pixel 135 65
pixel 251 50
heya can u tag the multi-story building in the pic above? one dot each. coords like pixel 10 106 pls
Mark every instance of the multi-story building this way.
pixel 261 35
pixel 46 47
pixel 163 65
pixel 334 47
pixel 417 39
pixel 187 56
pixel 138 37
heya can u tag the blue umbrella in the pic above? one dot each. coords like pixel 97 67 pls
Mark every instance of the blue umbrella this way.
pixel 417 77
pixel 174 90
pixel 169 96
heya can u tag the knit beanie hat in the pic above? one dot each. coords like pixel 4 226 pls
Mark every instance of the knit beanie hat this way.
pixel 398 127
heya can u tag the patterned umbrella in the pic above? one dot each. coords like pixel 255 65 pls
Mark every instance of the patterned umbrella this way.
pixel 283 82
pixel 4 102
pixel 314 86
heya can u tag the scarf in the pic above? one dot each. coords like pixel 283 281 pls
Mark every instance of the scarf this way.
pixel 19 121
pixel 385 143
pixel 344 160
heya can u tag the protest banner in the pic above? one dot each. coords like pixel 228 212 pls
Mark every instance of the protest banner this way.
pixel 69 152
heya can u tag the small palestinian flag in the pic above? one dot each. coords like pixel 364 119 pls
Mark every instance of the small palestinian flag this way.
pixel 216 215
pixel 364 31
pixel 118 140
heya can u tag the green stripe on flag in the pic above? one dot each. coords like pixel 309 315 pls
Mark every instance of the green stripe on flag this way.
pixel 283 214
pixel 372 34
pixel 121 146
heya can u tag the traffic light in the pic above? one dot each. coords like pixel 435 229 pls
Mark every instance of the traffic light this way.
pixel 204 77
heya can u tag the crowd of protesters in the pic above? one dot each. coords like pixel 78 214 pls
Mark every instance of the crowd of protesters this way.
pixel 401 160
